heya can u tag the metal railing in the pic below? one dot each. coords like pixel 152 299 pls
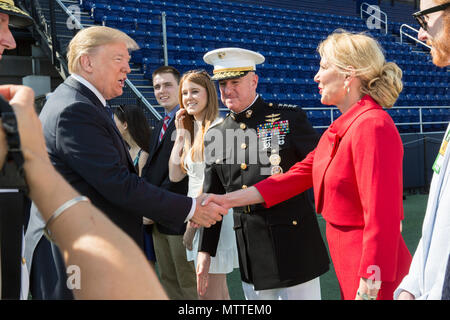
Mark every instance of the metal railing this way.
pixel 376 9
pixel 409 36
pixel 164 35
pixel 420 123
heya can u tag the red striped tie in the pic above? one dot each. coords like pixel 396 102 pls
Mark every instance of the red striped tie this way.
pixel 164 127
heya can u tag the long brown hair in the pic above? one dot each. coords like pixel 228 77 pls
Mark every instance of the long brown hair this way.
pixel 201 78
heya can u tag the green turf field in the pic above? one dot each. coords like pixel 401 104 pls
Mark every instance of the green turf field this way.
pixel 414 207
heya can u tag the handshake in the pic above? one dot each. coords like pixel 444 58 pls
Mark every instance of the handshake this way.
pixel 211 207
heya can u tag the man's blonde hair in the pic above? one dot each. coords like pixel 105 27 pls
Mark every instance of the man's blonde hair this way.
pixel 88 39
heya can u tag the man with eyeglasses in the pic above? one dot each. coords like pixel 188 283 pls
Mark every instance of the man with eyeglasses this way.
pixel 428 276
pixel 435 29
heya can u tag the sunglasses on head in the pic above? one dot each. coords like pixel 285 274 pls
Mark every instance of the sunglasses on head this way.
pixel 419 16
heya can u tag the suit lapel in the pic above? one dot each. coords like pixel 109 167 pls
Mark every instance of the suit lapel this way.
pixel 155 138
pixel 85 91
pixel 153 146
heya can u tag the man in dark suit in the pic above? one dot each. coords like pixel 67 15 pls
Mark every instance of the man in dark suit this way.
pixel 176 273
pixel 281 252
pixel 86 147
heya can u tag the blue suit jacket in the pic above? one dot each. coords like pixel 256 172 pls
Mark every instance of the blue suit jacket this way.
pixel 85 146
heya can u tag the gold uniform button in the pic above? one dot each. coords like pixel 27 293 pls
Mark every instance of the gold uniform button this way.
pixel 244 146
pixel 243 166
pixel 24 261
pixel 294 222
pixel 243 126
pixel 244 186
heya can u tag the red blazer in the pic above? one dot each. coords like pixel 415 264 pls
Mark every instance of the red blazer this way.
pixel 356 172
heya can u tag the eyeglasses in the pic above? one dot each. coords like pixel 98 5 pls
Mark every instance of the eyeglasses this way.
pixel 200 71
pixel 419 16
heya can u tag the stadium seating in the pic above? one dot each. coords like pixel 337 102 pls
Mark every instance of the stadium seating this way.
pixel 288 39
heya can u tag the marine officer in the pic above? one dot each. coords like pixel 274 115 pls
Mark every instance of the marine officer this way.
pixel 281 251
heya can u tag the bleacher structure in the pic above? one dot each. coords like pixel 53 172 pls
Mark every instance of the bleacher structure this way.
pixel 180 32
pixel 288 38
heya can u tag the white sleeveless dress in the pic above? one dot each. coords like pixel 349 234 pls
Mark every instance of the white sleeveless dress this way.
pixel 226 258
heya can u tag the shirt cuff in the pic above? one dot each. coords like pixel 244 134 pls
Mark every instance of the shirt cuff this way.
pixel 191 213
pixel 405 285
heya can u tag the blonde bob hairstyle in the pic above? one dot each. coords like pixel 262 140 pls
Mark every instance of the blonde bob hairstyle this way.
pixel 88 39
pixel 360 53
pixel 211 112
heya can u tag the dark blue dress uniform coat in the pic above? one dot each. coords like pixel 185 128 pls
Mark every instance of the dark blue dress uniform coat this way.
pixel 280 246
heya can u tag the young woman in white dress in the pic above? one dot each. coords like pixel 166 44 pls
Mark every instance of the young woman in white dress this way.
pixel 199 112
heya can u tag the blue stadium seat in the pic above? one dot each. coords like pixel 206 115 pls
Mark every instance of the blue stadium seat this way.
pixel 427 115
pixel 445 114
pixel 98 11
pixel 413 115
pixel 287 38
pixel 395 114
pixel 436 114
pixel 403 115
pixel 315 117
pixel 336 114
pixel 111 21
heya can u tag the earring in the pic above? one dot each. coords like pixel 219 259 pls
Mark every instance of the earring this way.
pixel 347 89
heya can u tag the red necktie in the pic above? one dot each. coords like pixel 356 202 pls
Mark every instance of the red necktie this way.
pixel 164 127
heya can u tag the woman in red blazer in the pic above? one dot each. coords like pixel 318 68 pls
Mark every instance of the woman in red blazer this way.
pixel 356 169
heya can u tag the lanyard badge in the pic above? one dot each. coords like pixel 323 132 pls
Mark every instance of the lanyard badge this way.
pixel 440 157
